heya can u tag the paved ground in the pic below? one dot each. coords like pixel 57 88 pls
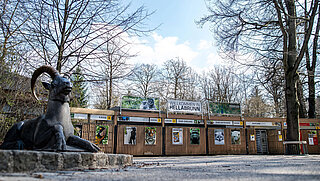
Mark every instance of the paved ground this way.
pixel 222 167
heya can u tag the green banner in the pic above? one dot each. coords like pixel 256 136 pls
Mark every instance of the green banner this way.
pixel 130 102
pixel 224 108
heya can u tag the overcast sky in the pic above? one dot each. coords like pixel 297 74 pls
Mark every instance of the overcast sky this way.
pixel 178 35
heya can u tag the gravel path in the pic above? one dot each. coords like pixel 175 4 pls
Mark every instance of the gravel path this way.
pixel 222 167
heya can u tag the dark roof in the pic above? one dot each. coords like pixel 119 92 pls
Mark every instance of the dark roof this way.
pixel 15 82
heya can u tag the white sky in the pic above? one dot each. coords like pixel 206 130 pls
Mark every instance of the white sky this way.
pixel 177 36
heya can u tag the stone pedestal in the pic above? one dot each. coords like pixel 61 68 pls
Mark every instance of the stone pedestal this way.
pixel 30 161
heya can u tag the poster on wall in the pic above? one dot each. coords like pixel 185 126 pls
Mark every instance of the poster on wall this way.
pixel 130 102
pixel 311 142
pixel 252 138
pixel 224 108
pixel 235 137
pixel 101 134
pixel 130 135
pixel 150 135
pixel 77 130
pixel 195 136
pixel 219 137
pixel 183 106
pixel 177 136
pixel 312 137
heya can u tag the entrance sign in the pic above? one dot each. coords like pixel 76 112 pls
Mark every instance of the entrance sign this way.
pixel 183 106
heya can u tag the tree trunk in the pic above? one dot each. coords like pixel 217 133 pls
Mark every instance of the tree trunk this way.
pixel 292 112
pixel 291 77
pixel 302 104
pixel 110 89
pixel 311 72
pixel 312 96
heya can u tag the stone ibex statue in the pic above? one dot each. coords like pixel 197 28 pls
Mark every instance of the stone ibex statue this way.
pixel 53 130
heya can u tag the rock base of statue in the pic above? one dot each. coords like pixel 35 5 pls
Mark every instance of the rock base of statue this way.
pixel 34 161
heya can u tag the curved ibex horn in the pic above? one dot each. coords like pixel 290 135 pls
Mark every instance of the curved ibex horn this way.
pixel 45 68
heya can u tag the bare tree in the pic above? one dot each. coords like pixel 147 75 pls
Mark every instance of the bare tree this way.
pixel 16 104
pixel 143 79
pixel 261 26
pixel 11 20
pixel 311 64
pixel 271 78
pixel 256 105
pixel 190 88
pixel 221 84
pixel 108 68
pixel 64 33
pixel 175 74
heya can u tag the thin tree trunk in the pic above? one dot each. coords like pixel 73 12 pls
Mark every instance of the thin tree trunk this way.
pixel 311 72
pixel 302 104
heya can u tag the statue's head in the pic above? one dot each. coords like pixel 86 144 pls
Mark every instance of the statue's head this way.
pixel 60 87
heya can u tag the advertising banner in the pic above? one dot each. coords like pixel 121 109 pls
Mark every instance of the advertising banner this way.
pixel 77 130
pixel 312 137
pixel 219 122
pixel 235 137
pixel 133 119
pixel 184 121
pixel 130 102
pixel 177 136
pixel 150 135
pixel 155 120
pixel 101 134
pixel 224 108
pixel 78 116
pixel 100 117
pixel 184 106
pixel 195 136
pixel 219 137
pixel 260 124
pixel 130 135
pixel 252 137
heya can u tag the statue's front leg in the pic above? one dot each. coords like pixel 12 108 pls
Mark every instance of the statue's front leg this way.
pixel 60 144
pixel 82 143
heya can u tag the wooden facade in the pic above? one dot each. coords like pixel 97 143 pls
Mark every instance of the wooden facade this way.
pixel 140 147
pixel 228 147
pixel 174 134
pixel 186 147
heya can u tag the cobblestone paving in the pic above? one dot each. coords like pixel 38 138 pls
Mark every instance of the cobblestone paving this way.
pixel 222 167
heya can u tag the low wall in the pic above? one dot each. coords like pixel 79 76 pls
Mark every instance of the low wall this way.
pixel 29 161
